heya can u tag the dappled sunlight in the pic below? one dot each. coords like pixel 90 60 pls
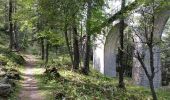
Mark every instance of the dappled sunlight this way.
pixel 30 89
pixel 79 86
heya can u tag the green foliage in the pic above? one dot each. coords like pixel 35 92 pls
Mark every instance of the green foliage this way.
pixel 61 61
pixel 98 16
pixel 3 38
pixel 7 55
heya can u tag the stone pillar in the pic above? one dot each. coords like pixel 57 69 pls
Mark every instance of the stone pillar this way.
pixel 98 53
pixel 139 75
pixel 110 51
pixel 105 50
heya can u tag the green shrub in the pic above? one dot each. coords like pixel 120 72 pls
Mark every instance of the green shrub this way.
pixel 7 55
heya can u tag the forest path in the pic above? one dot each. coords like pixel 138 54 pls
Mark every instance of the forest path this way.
pixel 29 89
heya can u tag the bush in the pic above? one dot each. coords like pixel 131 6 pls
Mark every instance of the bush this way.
pixel 7 55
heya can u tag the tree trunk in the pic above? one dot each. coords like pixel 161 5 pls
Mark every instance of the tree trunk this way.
pixel 87 56
pixel 6 17
pixel 149 40
pixel 11 25
pixel 85 68
pixel 47 52
pixel 150 45
pixel 121 54
pixel 75 49
pixel 68 44
pixel 152 89
pixel 81 45
pixel 150 77
pixel 42 48
pixel 15 34
pixel 16 44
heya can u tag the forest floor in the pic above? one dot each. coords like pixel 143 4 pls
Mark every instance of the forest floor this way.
pixel 29 88
pixel 75 86
pixel 95 86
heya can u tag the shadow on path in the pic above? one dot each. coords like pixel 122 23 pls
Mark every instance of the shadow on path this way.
pixel 29 89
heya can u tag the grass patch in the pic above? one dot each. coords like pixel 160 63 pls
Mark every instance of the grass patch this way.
pixel 93 87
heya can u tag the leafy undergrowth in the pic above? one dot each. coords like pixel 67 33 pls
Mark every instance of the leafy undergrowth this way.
pixel 4 39
pixel 12 57
pixel 75 86
pixel 11 60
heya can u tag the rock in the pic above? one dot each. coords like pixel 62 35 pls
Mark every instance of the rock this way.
pixel 59 96
pixel 4 69
pixel 6 86
pixel 13 70
pixel 52 73
pixel 3 63
pixel 5 80
pixel 5 89
pixel 62 96
pixel 13 75
pixel 2 73
pixel 20 60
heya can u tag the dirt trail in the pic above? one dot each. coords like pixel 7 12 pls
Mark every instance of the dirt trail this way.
pixel 29 89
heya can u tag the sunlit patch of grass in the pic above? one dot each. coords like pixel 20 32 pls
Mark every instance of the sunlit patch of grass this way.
pixel 94 86
pixel 73 85
pixel 164 93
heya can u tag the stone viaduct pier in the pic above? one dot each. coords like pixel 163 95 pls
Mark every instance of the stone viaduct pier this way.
pixel 106 45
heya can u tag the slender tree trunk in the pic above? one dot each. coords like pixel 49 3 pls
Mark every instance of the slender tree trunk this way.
pixel 15 34
pixel 16 44
pixel 68 44
pixel 47 52
pixel 153 90
pixel 85 68
pixel 149 76
pixel 75 48
pixel 149 40
pixel 11 25
pixel 56 50
pixel 121 54
pixel 42 48
pixel 81 45
pixel 6 17
pixel 150 45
